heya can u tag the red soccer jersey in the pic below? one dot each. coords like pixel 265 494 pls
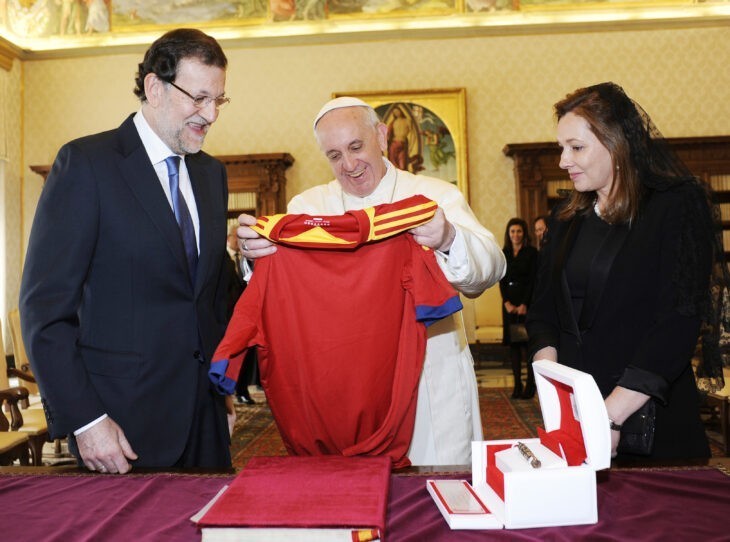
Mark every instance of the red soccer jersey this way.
pixel 341 333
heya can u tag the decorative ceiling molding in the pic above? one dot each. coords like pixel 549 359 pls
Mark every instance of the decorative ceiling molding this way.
pixel 8 53
pixel 379 29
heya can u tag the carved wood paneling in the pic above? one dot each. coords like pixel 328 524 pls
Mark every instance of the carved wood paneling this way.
pixel 536 166
pixel 263 175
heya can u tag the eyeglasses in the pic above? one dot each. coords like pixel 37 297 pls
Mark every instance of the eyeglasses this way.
pixel 203 101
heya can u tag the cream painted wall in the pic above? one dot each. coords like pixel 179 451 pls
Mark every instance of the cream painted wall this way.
pixel 10 194
pixel 680 76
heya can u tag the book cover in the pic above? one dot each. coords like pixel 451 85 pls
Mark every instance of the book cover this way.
pixel 303 492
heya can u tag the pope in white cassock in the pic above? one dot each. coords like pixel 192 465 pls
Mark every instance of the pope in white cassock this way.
pixel 353 139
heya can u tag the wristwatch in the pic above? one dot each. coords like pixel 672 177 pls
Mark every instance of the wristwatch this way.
pixel 613 425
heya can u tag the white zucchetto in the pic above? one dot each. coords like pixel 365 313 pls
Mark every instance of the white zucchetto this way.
pixel 338 103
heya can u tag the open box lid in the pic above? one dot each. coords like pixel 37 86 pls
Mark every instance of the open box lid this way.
pixel 573 411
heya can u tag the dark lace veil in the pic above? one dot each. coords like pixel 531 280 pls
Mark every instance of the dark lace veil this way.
pixel 659 168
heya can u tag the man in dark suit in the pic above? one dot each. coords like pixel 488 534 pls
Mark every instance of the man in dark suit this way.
pixel 236 284
pixel 123 295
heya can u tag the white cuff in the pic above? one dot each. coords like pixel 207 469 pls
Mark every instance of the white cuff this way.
pixel 246 269
pixel 90 424
pixel 457 256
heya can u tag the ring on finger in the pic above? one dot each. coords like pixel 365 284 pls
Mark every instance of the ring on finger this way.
pixel 245 248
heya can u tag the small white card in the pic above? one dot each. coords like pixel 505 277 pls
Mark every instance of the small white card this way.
pixel 461 506
pixel 458 497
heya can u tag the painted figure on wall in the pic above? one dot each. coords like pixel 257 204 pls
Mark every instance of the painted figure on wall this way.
pixel 45 18
pixel 282 10
pixel 437 147
pixel 399 133
pixel 419 141
pixel 390 7
pixel 297 10
pixel 70 20
pixel 29 19
pixel 404 145
pixel 126 13
pixel 67 18
pixel 97 18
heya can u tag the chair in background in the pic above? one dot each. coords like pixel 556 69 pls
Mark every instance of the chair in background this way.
pixel 13 445
pixel 33 420
pixel 718 404
pixel 22 362
pixel 24 377
pixel 6 373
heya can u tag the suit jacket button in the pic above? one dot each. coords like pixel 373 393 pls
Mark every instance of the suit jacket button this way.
pixel 46 411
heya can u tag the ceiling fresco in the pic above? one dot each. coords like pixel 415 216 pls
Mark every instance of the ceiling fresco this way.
pixel 37 25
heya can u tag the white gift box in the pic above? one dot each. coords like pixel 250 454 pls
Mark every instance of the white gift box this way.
pixel 507 491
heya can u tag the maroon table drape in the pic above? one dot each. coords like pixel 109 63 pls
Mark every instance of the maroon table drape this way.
pixel 632 505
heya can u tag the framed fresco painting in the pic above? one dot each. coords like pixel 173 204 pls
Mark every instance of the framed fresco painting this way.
pixel 426 131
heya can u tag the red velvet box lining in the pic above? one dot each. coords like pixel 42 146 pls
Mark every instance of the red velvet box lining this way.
pixel 566 441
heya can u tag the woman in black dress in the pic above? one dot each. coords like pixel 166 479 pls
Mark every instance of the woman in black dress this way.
pixel 624 280
pixel 516 288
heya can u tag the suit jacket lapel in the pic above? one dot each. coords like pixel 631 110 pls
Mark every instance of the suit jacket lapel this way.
pixel 564 302
pixel 600 269
pixel 205 214
pixel 142 180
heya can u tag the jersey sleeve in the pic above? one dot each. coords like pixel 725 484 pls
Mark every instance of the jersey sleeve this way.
pixel 434 296
pixel 243 332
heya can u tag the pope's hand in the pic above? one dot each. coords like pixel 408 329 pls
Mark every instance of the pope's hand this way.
pixel 252 245
pixel 438 233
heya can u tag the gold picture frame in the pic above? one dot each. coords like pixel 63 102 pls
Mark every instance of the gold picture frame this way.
pixel 437 119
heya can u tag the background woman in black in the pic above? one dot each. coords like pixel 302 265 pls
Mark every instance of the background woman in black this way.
pixel 624 280
pixel 516 289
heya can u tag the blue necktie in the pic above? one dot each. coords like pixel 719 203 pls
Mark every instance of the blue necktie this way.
pixel 182 215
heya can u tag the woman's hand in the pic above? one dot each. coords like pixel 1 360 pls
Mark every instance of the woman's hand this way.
pixel 620 404
pixel 549 353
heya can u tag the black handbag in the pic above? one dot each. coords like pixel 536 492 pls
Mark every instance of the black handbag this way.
pixel 637 432
pixel 517 333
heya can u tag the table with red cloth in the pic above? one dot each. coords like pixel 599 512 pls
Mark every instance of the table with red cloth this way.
pixel 680 503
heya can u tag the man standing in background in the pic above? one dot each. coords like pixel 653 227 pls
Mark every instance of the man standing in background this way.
pixel 540 228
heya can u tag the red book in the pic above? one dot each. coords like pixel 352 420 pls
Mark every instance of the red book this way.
pixel 302 497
